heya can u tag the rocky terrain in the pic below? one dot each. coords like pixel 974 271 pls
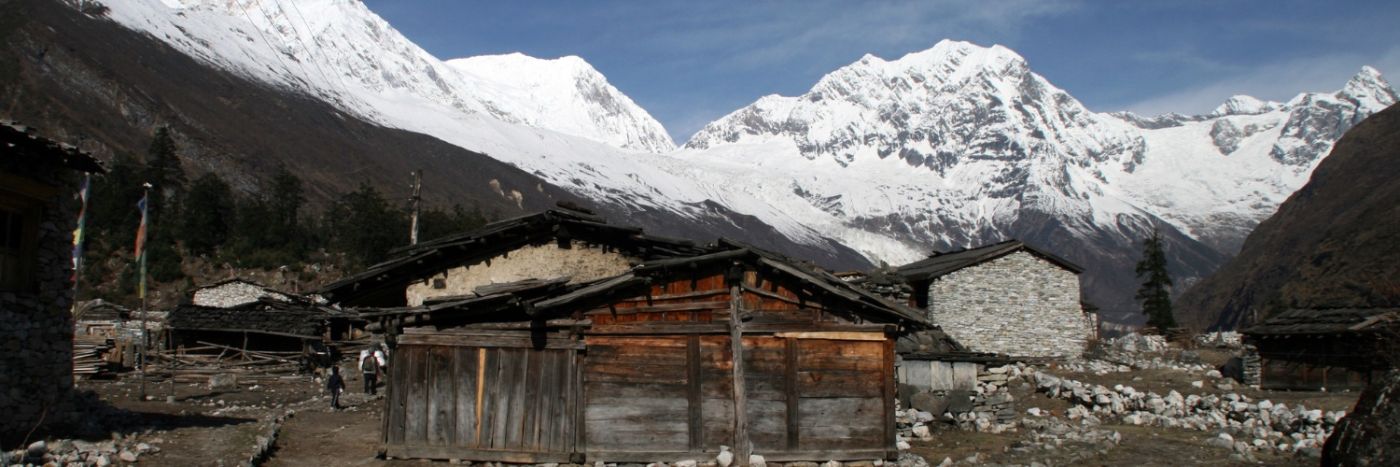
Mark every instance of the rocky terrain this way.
pixel 1136 400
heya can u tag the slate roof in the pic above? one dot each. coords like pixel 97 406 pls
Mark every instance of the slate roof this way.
pixel 20 141
pixel 297 322
pixel 267 292
pixel 941 264
pixel 431 257
pixel 1312 321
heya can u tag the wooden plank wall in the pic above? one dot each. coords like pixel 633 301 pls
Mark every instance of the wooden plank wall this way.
pixel 840 394
pixel 1279 374
pixel 674 394
pixel 636 394
pixel 489 403
pixel 650 389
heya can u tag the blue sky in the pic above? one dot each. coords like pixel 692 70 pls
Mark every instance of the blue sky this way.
pixel 688 63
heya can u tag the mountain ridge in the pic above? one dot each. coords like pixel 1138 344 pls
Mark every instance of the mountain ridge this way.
pixel 893 161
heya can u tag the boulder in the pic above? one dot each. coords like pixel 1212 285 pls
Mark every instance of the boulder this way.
pixel 959 401
pixel 1370 434
pixel 930 402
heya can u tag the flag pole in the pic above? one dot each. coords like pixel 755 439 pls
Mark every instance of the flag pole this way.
pixel 141 284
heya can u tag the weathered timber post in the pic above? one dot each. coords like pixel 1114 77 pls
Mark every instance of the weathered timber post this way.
pixel 417 198
pixel 742 448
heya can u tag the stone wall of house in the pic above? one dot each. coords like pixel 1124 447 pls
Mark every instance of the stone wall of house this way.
pixel 1018 305
pixel 36 327
pixel 580 262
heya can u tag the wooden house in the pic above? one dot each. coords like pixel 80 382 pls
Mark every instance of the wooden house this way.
pixel 1008 298
pixel 1331 348
pixel 666 360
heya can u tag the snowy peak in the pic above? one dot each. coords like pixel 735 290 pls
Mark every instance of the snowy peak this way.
pixel 936 109
pixel 1317 120
pixel 1244 105
pixel 1369 90
pixel 342 52
pixel 570 92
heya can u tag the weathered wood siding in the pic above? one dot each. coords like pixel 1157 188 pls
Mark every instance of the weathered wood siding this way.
pixel 514 404
pixel 649 397
pixel 655 382
pixel 1279 374
pixel 636 394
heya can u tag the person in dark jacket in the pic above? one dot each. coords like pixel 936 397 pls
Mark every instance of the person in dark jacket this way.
pixel 335 384
pixel 369 369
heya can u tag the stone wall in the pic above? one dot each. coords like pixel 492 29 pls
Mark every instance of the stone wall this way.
pixel 36 326
pixel 581 262
pixel 1018 305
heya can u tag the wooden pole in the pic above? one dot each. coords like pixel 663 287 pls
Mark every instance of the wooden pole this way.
pixel 145 339
pixel 417 198
pixel 742 450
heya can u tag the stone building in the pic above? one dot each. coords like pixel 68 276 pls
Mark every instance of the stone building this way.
pixel 1007 298
pixel 37 216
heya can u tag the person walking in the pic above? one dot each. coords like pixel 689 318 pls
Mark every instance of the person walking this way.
pixel 335 384
pixel 369 369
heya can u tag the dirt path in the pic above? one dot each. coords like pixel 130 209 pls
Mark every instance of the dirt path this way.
pixel 349 436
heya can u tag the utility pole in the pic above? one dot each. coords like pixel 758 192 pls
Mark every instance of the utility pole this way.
pixel 417 201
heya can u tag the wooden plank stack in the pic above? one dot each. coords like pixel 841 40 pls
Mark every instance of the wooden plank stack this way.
pixel 90 355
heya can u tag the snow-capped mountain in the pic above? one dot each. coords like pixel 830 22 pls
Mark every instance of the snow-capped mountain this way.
pixel 968 137
pixel 948 147
pixel 341 51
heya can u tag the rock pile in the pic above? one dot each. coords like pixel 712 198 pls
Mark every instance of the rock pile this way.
pixel 1051 433
pixel 1257 425
pixel 123 449
pixel 1224 340
pixel 1137 351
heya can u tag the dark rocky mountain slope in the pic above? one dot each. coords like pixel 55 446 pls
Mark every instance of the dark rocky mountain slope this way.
pixel 1335 242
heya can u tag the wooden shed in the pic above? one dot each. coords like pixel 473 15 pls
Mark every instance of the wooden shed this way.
pixel 667 361
pixel 1331 348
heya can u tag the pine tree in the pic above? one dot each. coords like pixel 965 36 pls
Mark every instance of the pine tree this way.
pixel 167 181
pixel 165 175
pixel 285 200
pixel 1155 293
pixel 434 223
pixel 364 226
pixel 209 215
